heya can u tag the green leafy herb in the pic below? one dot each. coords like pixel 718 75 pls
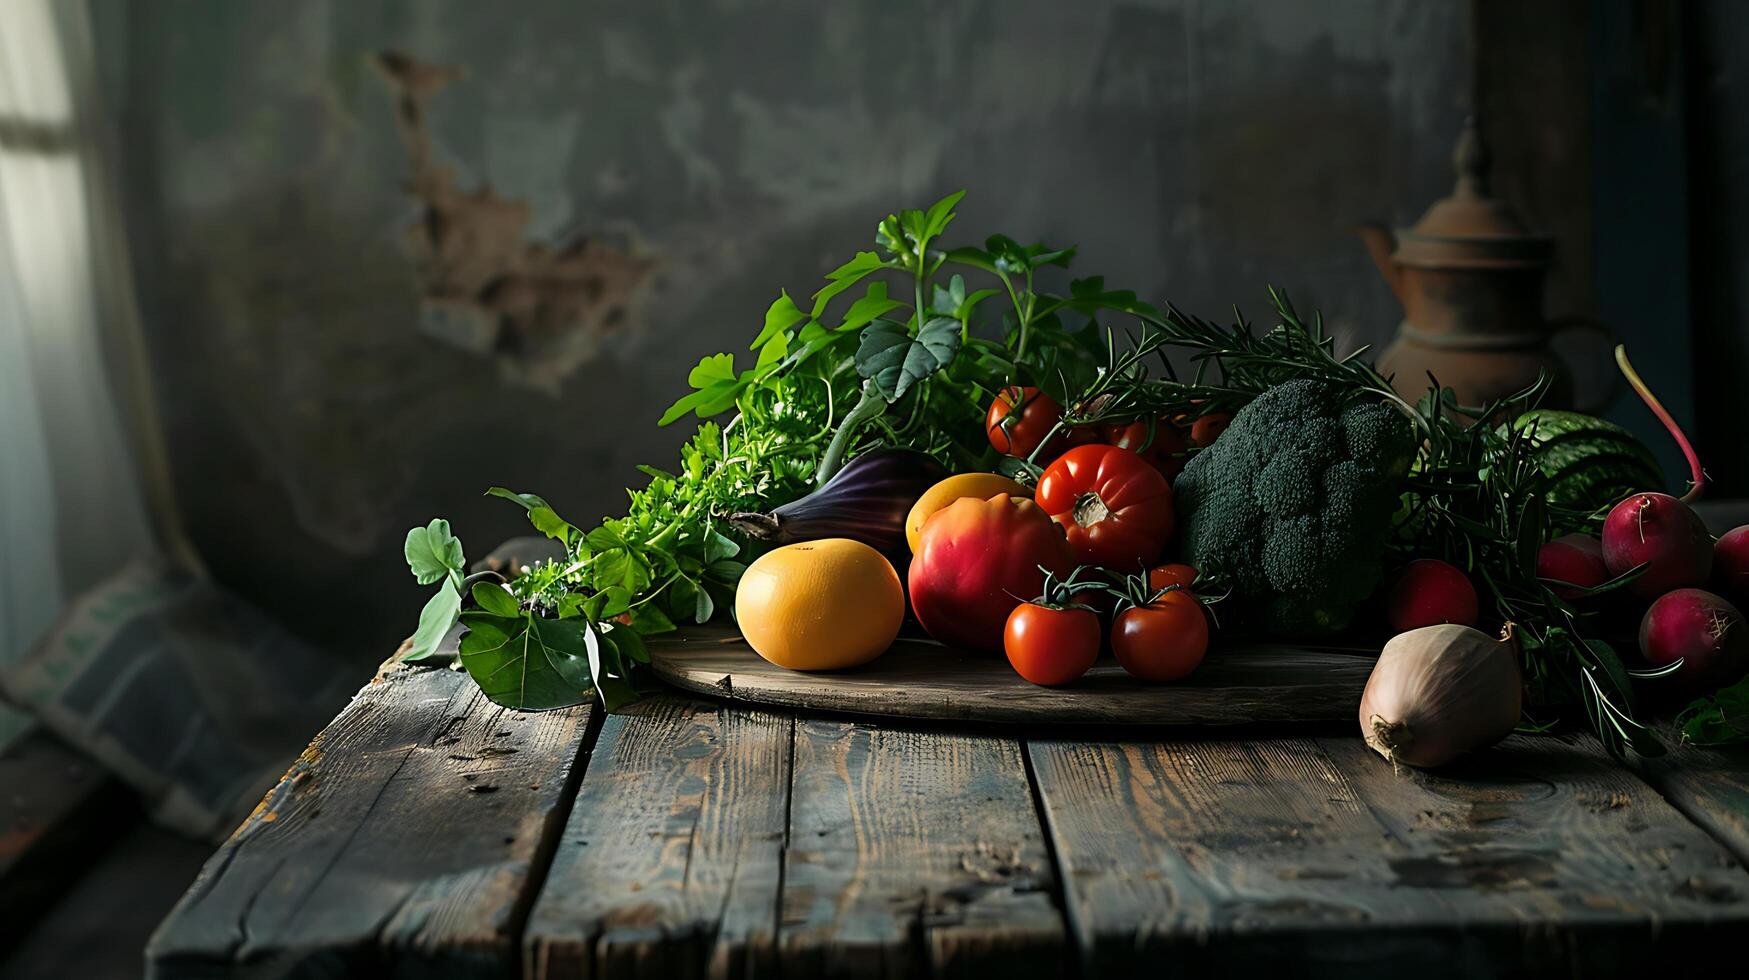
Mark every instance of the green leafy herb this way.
pixel 894 360
pixel 435 621
pixel 1720 719
pixel 528 660
pixel 433 553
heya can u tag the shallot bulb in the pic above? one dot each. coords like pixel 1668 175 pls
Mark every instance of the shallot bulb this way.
pixel 1440 691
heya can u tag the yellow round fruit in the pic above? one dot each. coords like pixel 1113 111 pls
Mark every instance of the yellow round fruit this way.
pixel 820 605
pixel 982 486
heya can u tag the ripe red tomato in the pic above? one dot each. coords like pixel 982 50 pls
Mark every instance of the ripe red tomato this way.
pixel 1207 429
pixel 1163 641
pixel 1115 508
pixel 1019 419
pixel 1163 447
pixel 1049 646
pixel 974 559
pixel 1175 574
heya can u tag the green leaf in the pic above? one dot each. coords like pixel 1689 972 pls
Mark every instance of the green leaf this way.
pixel 434 553
pixel 607 667
pixel 726 571
pixel 941 214
pixel 552 525
pixel 947 299
pixel 540 514
pixel 1008 254
pixel 631 645
pixel 844 277
pixel 611 601
pixel 605 537
pixel 1722 719
pixel 952 300
pixel 977 258
pixel 649 619
pixel 528 501
pixel 772 352
pixel 872 305
pixel 703 606
pixel 717 388
pixel 782 315
pixel 495 599
pixel 718 546
pixel 1037 256
pixel 894 360
pixel 528 662
pixel 712 369
pixel 435 620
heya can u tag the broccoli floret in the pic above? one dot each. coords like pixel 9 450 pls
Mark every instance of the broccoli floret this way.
pixel 1292 505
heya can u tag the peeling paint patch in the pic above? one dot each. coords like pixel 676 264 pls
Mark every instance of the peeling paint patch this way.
pixel 540 308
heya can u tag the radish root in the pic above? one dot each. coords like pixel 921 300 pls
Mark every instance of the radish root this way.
pixel 1697 475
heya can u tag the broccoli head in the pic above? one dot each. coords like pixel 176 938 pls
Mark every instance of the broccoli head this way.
pixel 1292 505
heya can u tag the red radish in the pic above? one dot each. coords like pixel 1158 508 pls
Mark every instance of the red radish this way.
pixel 1662 533
pixel 1655 529
pixel 1702 630
pixel 1731 563
pixel 1430 592
pixel 1576 559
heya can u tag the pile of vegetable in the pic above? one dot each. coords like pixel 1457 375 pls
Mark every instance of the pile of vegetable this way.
pixel 935 434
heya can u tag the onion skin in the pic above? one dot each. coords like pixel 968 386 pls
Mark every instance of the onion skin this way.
pixel 866 501
pixel 1440 691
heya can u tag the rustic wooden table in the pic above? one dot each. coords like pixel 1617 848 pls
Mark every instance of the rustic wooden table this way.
pixel 429 832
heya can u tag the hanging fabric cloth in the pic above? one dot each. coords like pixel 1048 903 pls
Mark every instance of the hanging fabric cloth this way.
pixel 111 633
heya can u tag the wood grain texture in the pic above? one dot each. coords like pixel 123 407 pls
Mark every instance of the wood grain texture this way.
pixel 917 678
pixel 1710 787
pixel 1541 855
pixel 914 853
pixel 404 834
pixel 670 861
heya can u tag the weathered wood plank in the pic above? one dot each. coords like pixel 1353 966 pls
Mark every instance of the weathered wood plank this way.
pixel 405 834
pixel 1541 855
pixel 59 811
pixel 1249 683
pixel 670 861
pixel 914 853
pixel 1710 787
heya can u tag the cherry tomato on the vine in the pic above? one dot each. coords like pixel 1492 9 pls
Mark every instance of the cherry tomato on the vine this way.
pixel 1050 646
pixel 1207 429
pixel 1162 641
pixel 1161 444
pixel 1115 508
pixel 1020 419
pixel 1180 575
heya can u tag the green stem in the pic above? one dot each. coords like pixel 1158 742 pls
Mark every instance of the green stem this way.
pixel 867 407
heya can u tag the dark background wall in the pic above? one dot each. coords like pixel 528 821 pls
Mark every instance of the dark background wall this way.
pixel 1194 151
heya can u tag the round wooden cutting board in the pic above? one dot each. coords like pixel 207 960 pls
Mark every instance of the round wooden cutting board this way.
pixel 1239 684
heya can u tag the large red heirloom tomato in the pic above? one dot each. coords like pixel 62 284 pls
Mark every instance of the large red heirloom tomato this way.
pixel 978 559
pixel 1114 505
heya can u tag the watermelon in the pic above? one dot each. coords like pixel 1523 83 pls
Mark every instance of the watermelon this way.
pixel 1590 464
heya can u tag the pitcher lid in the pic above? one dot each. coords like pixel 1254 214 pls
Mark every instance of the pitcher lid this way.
pixel 1471 228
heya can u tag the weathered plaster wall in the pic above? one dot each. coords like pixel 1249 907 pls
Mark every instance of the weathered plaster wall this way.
pixel 1194 151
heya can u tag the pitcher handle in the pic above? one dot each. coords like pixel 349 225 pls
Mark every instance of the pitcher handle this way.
pixel 1613 387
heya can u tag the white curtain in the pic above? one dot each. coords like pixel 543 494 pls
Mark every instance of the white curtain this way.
pixel 72 508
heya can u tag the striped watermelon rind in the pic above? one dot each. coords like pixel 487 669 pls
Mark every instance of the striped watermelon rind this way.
pixel 1590 463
